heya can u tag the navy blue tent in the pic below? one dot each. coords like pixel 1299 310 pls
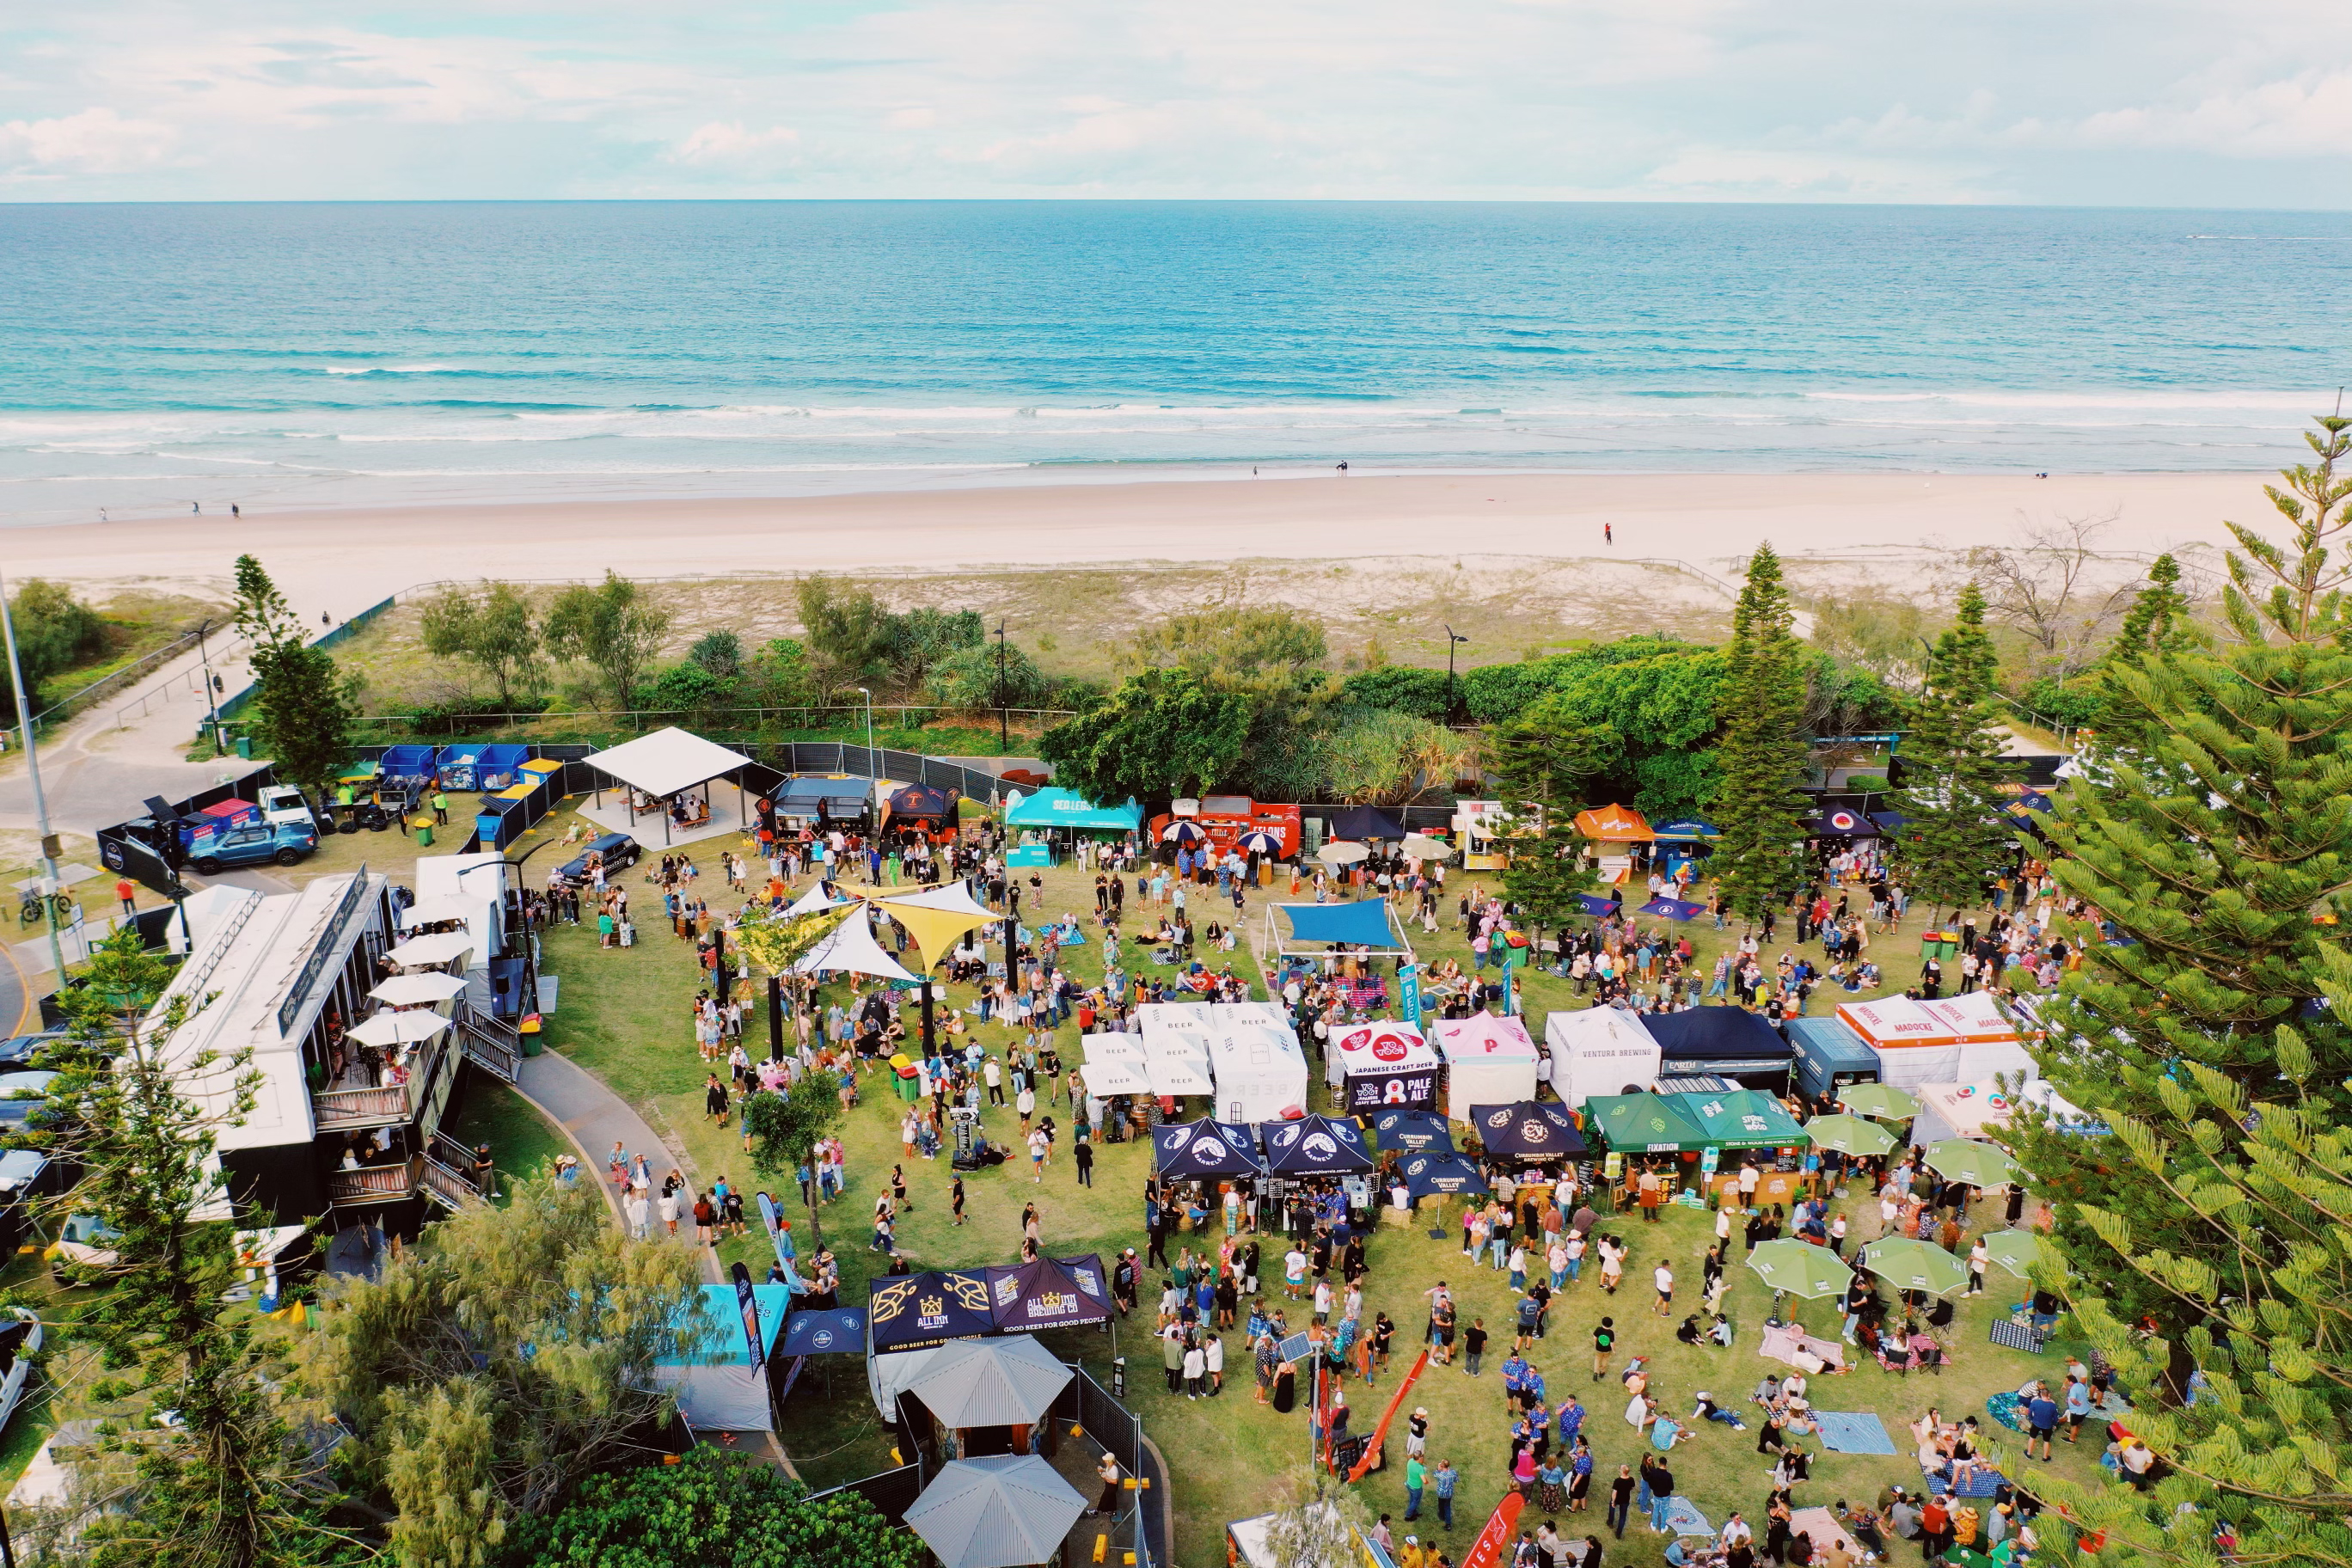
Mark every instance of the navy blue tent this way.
pixel 908 1312
pixel 1414 1131
pixel 838 1332
pixel 1049 1293
pixel 1528 1129
pixel 1596 905
pixel 1315 1146
pixel 1726 1039
pixel 1362 823
pixel 1363 923
pixel 1198 1150
pixel 1447 1173
pixel 1674 909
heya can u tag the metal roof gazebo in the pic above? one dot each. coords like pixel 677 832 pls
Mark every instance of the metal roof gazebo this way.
pixel 666 764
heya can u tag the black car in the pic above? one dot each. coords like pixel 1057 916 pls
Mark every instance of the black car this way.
pixel 619 850
pixel 25 1050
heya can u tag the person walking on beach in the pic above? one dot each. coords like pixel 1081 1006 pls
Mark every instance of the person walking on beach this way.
pixel 1608 534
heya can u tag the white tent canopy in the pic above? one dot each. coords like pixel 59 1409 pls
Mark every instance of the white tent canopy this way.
pixel 1260 1072
pixel 1115 1065
pixel 1383 1045
pixel 812 902
pixel 1913 1046
pixel 431 951
pixel 850 949
pixel 1599 1050
pixel 1488 1061
pixel 1972 1018
pixel 1176 1048
pixel 666 762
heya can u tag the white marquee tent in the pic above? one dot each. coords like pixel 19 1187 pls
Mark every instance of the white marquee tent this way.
pixel 1261 1075
pixel 1599 1050
pixel 1488 1061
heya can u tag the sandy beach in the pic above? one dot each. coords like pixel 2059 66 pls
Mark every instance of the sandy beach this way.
pixel 339 562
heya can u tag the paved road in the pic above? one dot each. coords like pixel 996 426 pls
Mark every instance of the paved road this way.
pixel 96 772
pixel 597 1118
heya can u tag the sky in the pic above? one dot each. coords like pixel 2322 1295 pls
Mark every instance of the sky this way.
pixel 2152 103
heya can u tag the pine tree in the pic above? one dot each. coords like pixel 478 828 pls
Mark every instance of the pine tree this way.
pixel 1954 838
pixel 2211 1037
pixel 302 708
pixel 2157 623
pixel 1544 757
pixel 1759 858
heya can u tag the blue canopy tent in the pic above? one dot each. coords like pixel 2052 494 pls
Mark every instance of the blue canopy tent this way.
pixel 1730 1042
pixel 1442 1174
pixel 1367 925
pixel 844 799
pixel 1685 840
pixel 1597 906
pixel 1204 1150
pixel 1412 1131
pixel 722 1385
pixel 1843 822
pixel 839 1331
pixel 908 1312
pixel 1315 1146
pixel 1049 1293
pixel 1363 824
pixel 1530 1129
pixel 1051 807
pixel 1674 909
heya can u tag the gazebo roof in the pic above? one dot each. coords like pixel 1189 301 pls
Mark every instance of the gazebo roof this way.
pixel 666 762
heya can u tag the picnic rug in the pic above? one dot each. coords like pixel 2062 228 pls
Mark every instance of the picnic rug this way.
pixel 1853 1431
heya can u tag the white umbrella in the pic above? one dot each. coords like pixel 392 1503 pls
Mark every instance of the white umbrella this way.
pixel 398 1029
pixel 1420 846
pixel 409 990
pixel 431 951
pixel 1342 852
pixel 433 911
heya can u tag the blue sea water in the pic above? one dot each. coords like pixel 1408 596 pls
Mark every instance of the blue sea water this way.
pixel 347 354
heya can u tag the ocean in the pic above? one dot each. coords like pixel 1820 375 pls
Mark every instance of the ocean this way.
pixel 342 354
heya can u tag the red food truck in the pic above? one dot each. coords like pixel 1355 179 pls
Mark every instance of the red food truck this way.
pixel 1225 818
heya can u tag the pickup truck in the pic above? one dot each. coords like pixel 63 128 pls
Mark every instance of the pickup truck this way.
pixel 284 804
pixel 284 842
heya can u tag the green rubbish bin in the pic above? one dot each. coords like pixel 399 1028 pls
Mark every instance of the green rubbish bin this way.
pixel 910 1088
pixel 425 831
pixel 245 747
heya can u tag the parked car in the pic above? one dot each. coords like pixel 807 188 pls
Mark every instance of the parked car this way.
pixel 25 1050
pixel 619 850
pixel 20 1341
pixel 284 842
pixel 23 1096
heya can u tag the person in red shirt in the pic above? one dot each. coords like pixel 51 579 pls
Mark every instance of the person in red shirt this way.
pixel 1935 1528
pixel 128 896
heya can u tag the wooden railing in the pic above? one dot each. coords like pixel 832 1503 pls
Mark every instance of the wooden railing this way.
pixel 375 1183
pixel 493 1045
pixel 450 1189
pixel 335 1109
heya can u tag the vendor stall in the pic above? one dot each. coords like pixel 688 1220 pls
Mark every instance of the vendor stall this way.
pixel 1206 1151
pixel 1643 1125
pixel 1380 1064
pixel 1728 1042
pixel 1114 1065
pixel 1529 1131
pixel 1913 1046
pixel 1260 1073
pixel 720 1379
pixel 1616 839
pixel 1829 1056
pixel 1488 1061
pixel 1051 817
pixel 1315 1146
pixel 1599 1051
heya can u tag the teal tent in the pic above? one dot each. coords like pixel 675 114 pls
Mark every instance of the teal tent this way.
pixel 1052 807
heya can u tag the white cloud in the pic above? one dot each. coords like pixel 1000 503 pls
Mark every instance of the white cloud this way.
pixel 94 142
pixel 731 144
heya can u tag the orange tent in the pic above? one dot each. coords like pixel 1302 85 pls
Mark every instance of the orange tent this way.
pixel 1613 824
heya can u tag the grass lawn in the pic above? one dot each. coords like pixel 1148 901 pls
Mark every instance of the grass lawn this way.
pixel 624 1015
pixel 521 1140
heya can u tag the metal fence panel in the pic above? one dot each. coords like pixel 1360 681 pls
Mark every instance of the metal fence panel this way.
pixel 893 1492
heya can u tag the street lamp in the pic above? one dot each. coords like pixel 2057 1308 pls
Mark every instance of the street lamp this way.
pixel 1004 740
pixel 871 770
pixel 1453 640
pixel 49 884
pixel 212 705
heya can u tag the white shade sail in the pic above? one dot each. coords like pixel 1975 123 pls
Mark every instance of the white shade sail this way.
pixel 398 1029
pixel 851 949
pixel 431 951
pixel 410 990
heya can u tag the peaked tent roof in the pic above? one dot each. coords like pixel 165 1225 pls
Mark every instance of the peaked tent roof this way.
pixel 1716 1035
pixel 1638 1123
pixel 838 1331
pixel 1003 1512
pixel 1527 1129
pixel 1048 1293
pixel 668 760
pixel 1191 1150
pixel 906 1311
pixel 1315 1146
pixel 1067 808
pixel 1412 1131
pixel 936 918
pixel 1743 1118
pixel 1007 1382
pixel 1612 824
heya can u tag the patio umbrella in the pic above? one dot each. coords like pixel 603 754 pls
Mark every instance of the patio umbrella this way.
pixel 1341 853
pixel 1257 841
pixel 1799 1267
pixel 431 951
pixel 1850 1135
pixel 1421 846
pixel 1446 1174
pixel 434 910
pixel 1183 833
pixel 1011 1381
pixel 409 990
pixel 398 1029
pixel 1965 1160
pixel 1673 908
pixel 1006 1510
pixel 1882 1100
pixel 2014 1250
pixel 1914 1266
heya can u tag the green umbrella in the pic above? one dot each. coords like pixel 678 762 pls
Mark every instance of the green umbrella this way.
pixel 1850 1135
pixel 1882 1100
pixel 1800 1268
pixel 2013 1250
pixel 1965 1160
pixel 1914 1266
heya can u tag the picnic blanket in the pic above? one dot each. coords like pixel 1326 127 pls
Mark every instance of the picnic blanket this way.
pixel 1853 1431
pixel 1683 1518
pixel 2008 1409
pixel 1823 1526
pixel 1984 1483
pixel 1788 1341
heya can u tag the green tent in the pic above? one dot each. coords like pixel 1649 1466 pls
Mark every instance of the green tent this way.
pixel 1645 1123
pixel 1743 1118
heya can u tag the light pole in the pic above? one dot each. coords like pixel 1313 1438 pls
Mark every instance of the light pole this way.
pixel 871 770
pixel 1453 640
pixel 212 707
pixel 33 768
pixel 1004 740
